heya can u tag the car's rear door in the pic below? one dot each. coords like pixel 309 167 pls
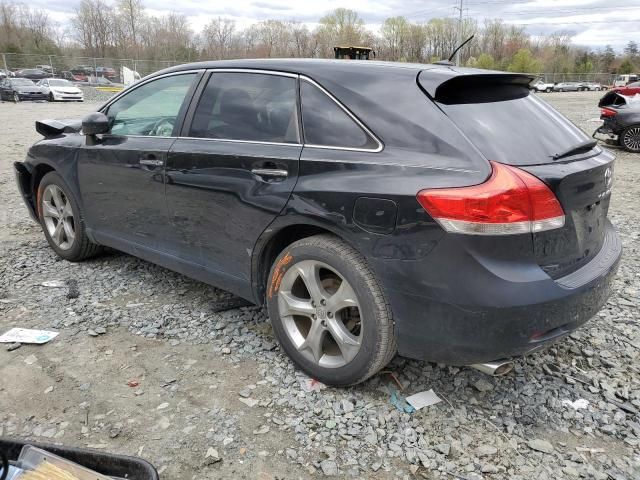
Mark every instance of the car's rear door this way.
pixel 233 168
pixel 121 174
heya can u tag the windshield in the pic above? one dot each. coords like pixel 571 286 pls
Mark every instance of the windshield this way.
pixel 21 81
pixel 60 83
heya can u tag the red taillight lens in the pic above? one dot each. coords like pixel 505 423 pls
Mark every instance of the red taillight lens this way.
pixel 608 112
pixel 511 201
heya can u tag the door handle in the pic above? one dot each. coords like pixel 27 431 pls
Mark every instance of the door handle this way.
pixel 270 172
pixel 150 159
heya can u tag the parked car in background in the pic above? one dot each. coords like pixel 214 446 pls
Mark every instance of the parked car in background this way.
pixel 630 89
pixel 624 80
pixel 73 77
pixel 592 86
pixel 46 68
pixel 18 89
pixel 58 89
pixel 98 81
pixel 83 69
pixel 567 87
pixel 541 86
pixel 106 72
pixel 371 208
pixel 622 123
pixel 32 73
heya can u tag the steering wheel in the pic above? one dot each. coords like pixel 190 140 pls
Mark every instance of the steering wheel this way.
pixel 162 128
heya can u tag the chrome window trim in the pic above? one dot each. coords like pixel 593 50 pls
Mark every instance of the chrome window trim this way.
pixel 266 72
pixel 144 82
pixel 252 70
pixel 230 140
pixel 351 115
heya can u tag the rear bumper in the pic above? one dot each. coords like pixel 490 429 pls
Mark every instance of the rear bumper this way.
pixel 491 311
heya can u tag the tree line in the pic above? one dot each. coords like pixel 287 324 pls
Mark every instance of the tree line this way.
pixel 125 29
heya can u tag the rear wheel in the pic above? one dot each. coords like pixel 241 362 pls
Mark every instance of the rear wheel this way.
pixel 630 139
pixel 329 312
pixel 548 90
pixel 62 220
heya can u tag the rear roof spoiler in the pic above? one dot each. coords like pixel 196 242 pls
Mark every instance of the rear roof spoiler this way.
pixel 440 82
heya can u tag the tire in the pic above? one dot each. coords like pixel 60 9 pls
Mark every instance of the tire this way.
pixel 630 139
pixel 347 303
pixel 51 99
pixel 549 90
pixel 55 201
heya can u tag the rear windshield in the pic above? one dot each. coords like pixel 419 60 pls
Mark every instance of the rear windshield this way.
pixel 510 125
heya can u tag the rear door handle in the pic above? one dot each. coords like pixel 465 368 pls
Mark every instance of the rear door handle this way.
pixel 270 172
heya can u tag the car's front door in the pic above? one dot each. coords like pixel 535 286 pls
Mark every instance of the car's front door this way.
pixel 233 169
pixel 121 174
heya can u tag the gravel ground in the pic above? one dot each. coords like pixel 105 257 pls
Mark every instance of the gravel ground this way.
pixel 145 365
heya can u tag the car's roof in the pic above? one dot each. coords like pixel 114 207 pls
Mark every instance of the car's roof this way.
pixel 302 64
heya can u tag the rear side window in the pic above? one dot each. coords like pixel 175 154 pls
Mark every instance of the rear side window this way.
pixel 249 107
pixel 327 124
pixel 510 125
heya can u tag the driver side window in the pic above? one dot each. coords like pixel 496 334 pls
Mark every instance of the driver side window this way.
pixel 151 109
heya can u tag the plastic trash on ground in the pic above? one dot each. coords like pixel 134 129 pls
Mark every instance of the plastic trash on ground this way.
pixel 25 335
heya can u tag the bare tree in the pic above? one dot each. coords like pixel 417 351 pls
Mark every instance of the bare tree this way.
pixel 218 37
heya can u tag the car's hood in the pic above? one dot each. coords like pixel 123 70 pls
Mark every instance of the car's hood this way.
pixel 65 90
pixel 53 127
pixel 27 88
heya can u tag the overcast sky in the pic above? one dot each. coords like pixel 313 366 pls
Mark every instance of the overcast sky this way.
pixel 593 23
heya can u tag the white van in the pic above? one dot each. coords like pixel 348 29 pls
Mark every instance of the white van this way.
pixel 623 80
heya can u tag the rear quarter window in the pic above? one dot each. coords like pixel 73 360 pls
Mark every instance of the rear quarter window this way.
pixel 327 124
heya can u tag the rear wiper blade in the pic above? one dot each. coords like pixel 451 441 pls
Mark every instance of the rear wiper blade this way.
pixel 580 147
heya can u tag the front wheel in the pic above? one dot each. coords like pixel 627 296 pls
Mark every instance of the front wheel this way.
pixel 630 139
pixel 62 220
pixel 329 312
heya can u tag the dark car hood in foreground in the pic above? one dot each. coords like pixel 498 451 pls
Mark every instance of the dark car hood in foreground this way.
pixel 53 127
pixel 26 88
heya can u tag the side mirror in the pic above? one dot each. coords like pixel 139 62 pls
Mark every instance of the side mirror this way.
pixel 95 124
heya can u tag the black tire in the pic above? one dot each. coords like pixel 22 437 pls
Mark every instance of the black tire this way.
pixel 629 139
pixel 51 99
pixel 81 247
pixel 378 343
pixel 549 90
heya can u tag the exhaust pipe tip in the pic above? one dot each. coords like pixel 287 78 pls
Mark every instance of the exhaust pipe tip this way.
pixel 497 368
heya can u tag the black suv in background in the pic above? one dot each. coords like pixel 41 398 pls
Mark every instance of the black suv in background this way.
pixel 443 213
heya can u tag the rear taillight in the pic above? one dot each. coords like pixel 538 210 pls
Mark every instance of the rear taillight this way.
pixel 608 112
pixel 511 201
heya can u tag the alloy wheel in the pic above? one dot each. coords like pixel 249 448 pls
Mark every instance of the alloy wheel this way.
pixel 58 217
pixel 320 313
pixel 631 139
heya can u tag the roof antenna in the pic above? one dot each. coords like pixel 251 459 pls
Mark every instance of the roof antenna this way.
pixel 448 62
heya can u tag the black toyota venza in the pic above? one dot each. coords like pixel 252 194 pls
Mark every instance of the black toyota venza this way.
pixel 443 213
